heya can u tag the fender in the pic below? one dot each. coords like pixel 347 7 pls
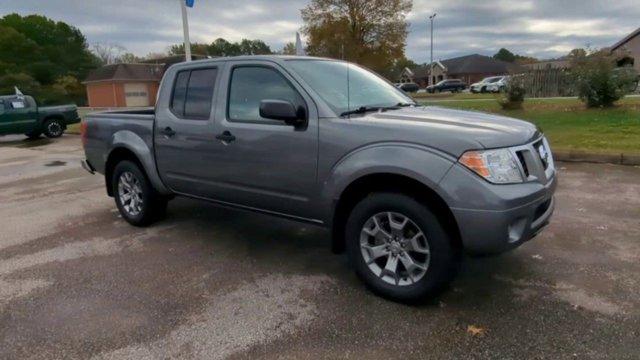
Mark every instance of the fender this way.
pixel 131 141
pixel 418 162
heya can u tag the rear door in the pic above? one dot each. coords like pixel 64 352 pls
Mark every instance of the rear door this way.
pixel 185 145
pixel 20 115
pixel 267 165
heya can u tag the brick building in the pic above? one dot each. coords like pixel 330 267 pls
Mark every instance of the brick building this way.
pixel 469 69
pixel 128 85
pixel 124 85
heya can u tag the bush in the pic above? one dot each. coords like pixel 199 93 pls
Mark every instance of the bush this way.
pixel 598 82
pixel 65 90
pixel 514 93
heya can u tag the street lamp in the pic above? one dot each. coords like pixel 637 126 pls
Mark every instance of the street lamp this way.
pixel 431 63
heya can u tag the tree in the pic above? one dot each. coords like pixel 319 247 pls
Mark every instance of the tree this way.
pixel 221 48
pixel 369 32
pixel 398 67
pixel 577 54
pixel 289 49
pixel 108 53
pixel 505 55
pixel 157 55
pixel 196 49
pixel 129 58
pixel 254 47
pixel 43 48
pixel 598 82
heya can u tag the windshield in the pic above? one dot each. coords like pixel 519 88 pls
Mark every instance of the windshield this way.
pixel 346 87
pixel 491 80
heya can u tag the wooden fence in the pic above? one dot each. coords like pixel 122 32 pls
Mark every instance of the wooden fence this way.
pixel 548 83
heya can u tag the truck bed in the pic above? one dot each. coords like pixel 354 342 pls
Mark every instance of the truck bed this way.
pixel 104 130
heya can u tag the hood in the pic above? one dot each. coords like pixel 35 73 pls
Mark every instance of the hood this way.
pixel 456 130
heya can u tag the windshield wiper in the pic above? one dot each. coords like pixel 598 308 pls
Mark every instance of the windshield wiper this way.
pixel 366 109
pixel 362 110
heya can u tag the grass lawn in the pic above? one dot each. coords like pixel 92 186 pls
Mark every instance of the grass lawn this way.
pixel 569 125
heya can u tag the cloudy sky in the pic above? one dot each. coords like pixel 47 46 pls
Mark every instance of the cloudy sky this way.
pixel 541 28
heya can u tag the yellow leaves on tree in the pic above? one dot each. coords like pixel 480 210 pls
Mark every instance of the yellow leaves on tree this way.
pixel 372 33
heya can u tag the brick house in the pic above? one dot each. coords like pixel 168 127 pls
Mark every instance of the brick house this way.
pixel 128 85
pixel 123 85
pixel 628 50
pixel 470 69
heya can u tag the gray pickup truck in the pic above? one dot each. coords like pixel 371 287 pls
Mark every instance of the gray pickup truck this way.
pixel 404 188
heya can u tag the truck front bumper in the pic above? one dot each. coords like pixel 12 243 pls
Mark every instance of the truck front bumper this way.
pixel 519 213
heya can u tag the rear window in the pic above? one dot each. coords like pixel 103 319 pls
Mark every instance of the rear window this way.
pixel 193 93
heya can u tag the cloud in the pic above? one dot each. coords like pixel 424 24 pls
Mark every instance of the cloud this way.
pixel 541 28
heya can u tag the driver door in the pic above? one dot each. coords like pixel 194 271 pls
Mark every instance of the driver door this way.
pixel 264 164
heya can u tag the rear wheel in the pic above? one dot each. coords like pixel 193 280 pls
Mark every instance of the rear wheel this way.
pixel 53 128
pixel 399 248
pixel 138 202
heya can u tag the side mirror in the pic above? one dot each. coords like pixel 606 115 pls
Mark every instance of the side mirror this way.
pixel 283 111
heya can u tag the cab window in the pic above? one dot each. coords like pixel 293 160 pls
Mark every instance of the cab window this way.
pixel 193 93
pixel 250 85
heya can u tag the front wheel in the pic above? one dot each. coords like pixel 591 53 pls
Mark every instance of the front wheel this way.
pixel 399 248
pixel 138 202
pixel 53 128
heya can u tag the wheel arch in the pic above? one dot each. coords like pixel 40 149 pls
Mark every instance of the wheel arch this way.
pixel 390 182
pixel 116 156
pixel 127 143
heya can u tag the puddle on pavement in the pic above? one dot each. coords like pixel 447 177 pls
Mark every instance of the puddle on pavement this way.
pixel 29 143
pixel 56 163
pixel 25 143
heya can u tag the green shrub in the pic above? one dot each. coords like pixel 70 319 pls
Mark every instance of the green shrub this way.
pixel 65 90
pixel 598 82
pixel 514 93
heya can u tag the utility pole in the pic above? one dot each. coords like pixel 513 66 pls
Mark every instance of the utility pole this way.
pixel 185 29
pixel 431 63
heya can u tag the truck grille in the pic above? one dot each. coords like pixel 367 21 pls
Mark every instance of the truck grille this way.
pixel 536 161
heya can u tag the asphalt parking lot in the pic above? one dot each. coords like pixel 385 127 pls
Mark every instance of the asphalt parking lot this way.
pixel 77 282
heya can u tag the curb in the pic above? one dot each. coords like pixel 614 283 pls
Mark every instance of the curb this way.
pixel 579 156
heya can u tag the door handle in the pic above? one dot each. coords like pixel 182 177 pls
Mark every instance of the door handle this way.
pixel 226 137
pixel 168 132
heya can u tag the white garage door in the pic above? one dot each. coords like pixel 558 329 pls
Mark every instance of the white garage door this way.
pixel 136 94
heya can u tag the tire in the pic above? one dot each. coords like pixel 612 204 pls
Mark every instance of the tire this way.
pixel 147 206
pixel 483 90
pixel 33 134
pixel 439 266
pixel 53 128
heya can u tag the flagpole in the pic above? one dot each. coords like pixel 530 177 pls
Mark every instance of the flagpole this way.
pixel 185 29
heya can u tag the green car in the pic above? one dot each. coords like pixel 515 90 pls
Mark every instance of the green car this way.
pixel 20 114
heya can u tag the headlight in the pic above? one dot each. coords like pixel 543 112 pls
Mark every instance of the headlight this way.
pixel 497 166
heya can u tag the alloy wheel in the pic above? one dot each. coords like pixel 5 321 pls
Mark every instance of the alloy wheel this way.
pixel 54 129
pixel 130 193
pixel 394 248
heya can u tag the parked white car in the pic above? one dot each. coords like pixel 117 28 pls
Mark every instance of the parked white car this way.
pixel 490 84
